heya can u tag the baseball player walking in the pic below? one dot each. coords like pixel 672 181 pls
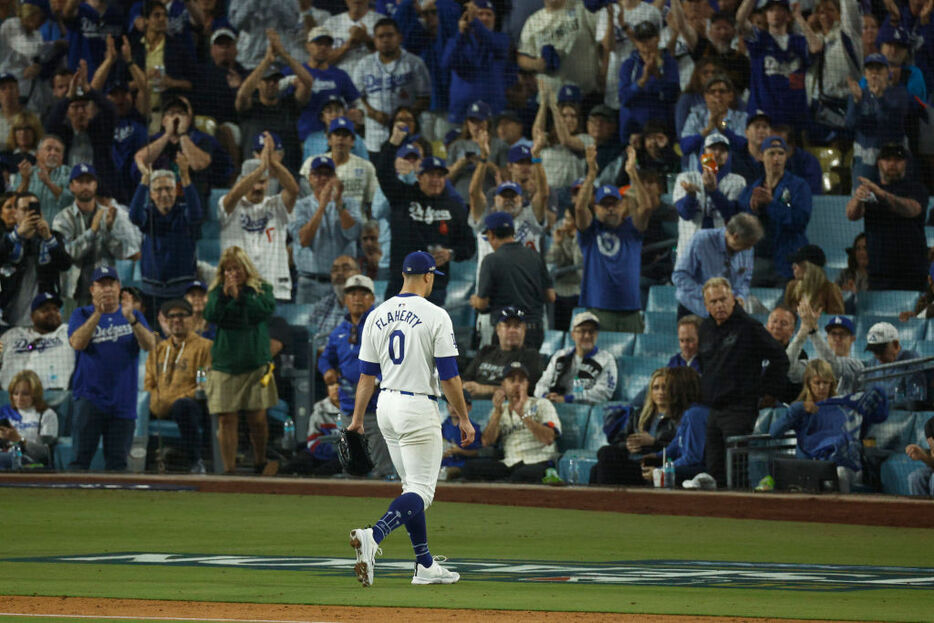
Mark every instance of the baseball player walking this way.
pixel 406 339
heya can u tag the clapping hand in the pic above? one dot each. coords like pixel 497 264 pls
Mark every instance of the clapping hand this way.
pixel 126 306
pixel 231 287
pixel 761 196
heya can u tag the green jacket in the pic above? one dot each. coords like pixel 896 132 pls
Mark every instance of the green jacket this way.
pixel 242 342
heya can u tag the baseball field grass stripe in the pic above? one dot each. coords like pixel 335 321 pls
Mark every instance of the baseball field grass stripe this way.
pixel 56 523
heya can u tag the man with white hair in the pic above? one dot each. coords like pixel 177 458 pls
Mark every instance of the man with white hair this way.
pixel 258 223
pixel 47 179
pixel 169 225
pixel 721 252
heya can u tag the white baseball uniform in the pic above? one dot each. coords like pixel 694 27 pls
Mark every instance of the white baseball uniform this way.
pixel 405 335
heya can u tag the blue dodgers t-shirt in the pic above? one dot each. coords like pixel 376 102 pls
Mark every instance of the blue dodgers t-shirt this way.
pixel 106 372
pixel 612 261
pixel 87 34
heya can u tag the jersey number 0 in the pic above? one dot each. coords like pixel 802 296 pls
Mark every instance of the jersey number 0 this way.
pixel 397 338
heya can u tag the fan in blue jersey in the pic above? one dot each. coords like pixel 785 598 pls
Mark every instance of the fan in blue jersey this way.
pixel 782 200
pixel 830 428
pixel 778 60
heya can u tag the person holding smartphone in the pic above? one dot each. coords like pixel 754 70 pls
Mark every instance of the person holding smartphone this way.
pixel 37 259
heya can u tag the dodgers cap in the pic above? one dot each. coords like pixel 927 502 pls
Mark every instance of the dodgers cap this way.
pixel 419 263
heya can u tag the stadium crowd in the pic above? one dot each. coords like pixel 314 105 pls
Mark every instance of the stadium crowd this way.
pixel 179 174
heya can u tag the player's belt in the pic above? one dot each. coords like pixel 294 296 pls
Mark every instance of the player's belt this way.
pixel 429 396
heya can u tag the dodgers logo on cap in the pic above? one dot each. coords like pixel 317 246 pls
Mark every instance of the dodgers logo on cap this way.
pixel 420 263
pixel 322 161
pixel 431 164
pixel 841 321
pixel 479 110
pixel 498 221
pixel 509 186
pixel 520 152
pixel 105 272
pixel 607 191
pixel 341 123
pixel 82 169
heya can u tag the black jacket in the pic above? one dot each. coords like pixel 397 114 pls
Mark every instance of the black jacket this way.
pixel 15 263
pixel 732 357
pixel 418 221
pixel 101 134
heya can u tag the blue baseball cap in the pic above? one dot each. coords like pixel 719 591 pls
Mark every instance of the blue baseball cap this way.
pixel 42 298
pixel 420 263
pixel 841 321
pixel 333 98
pixel 259 141
pixel 452 136
pixel 408 150
pixel 484 4
pixel 520 152
pixel 608 191
pixel 509 186
pixel 876 59
pixel 432 163
pixel 7 77
pixel 895 35
pixel 479 110
pixel 511 311
pixel 341 123
pixel 197 283
pixel 783 3
pixel 516 366
pixel 577 183
pixel 773 142
pixel 569 93
pixel 105 272
pixel 322 161
pixel 41 4
pixel 82 169
pixel 498 221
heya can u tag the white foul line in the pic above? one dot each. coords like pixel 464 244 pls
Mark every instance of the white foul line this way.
pixel 138 618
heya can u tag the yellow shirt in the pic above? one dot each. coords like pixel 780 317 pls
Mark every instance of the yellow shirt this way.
pixel 170 371
pixel 155 57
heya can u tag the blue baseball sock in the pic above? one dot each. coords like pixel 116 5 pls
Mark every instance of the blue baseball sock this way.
pixel 418 533
pixel 402 509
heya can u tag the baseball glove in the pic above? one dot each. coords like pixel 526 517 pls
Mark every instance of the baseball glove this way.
pixel 353 453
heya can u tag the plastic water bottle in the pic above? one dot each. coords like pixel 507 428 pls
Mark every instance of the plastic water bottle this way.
pixel 201 378
pixel 577 389
pixel 17 461
pixel 288 434
pixel 669 474
pixel 53 377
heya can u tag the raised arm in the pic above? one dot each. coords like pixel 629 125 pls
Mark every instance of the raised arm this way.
pixel 244 100
pixel 643 208
pixel 241 188
pixel 743 25
pixel 815 43
pixel 583 217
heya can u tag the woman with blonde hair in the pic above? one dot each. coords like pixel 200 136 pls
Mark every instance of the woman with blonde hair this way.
pixel 828 427
pixel 646 431
pixel 811 283
pixel 25 133
pixel 28 420
pixel 240 303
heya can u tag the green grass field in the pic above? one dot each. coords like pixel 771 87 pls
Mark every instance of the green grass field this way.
pixel 42 523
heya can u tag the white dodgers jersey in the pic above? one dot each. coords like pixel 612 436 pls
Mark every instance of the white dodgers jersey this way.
pixel 404 335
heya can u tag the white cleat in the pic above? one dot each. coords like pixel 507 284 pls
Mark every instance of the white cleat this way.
pixel 366 548
pixel 435 574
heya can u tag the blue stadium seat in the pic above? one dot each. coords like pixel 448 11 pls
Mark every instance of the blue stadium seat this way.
pixel 911 331
pixel 924 348
pixel 480 412
pixel 616 343
pixel 458 291
pixel 211 210
pixel 554 341
pixel 380 286
pixel 885 302
pixel 662 298
pixel 4 398
pixel 457 303
pixel 210 229
pixel 830 229
pixel 209 250
pixel 656 344
pixel 929 234
pixel 463 271
pixel 897 431
pixel 575 465
pixel 573 425
pixel 894 473
pixel 661 322
pixel 298 314
pixel 141 371
pixel 635 374
pixel 770 297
